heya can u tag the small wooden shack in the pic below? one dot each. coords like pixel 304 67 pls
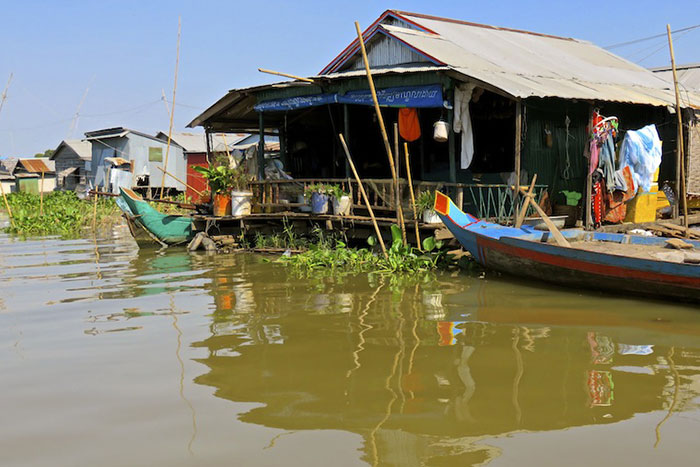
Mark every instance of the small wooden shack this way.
pixel 35 175
pixel 73 159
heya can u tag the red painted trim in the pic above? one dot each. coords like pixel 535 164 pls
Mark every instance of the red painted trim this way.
pixel 579 265
pixel 350 50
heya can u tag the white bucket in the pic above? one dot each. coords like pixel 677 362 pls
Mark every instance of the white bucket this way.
pixel 342 206
pixel 440 131
pixel 240 203
pixel 431 217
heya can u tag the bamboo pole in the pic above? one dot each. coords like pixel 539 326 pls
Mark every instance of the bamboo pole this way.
pixel 364 194
pixel 680 159
pixel 41 195
pixel 397 153
pixel 286 75
pixel 165 172
pixel 7 204
pixel 558 237
pixel 382 127
pixel 94 213
pixel 172 112
pixel 413 197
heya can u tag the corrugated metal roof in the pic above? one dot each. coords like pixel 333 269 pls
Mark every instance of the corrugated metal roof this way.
pixel 528 65
pixel 193 142
pixel 520 63
pixel 9 164
pixel 38 165
pixel 688 76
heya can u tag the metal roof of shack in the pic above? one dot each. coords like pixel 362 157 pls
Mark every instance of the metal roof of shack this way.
pixel 521 63
pixel 38 165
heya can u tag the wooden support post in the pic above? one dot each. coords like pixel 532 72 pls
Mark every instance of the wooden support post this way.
pixel 207 138
pixel 588 216
pixel 172 110
pixel 518 144
pixel 364 194
pixel 261 147
pixel 413 197
pixel 283 147
pixel 165 172
pixel 451 140
pixel 382 127
pixel 346 129
pixel 41 195
pixel 680 145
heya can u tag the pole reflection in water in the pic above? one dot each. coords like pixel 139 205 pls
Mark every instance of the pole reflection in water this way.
pixel 441 393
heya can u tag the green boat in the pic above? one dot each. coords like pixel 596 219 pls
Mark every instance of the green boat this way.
pixel 147 225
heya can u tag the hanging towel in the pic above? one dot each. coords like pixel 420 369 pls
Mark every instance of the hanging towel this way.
pixel 409 126
pixel 463 122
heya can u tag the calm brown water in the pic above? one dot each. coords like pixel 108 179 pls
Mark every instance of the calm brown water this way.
pixel 114 356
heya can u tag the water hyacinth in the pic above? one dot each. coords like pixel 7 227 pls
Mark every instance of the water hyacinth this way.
pixel 64 214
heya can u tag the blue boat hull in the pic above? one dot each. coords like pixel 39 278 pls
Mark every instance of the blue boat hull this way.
pixel 526 253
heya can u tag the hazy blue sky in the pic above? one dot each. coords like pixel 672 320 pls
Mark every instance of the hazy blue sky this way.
pixel 125 51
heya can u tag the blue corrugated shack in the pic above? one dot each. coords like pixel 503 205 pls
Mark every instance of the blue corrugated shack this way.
pixel 128 158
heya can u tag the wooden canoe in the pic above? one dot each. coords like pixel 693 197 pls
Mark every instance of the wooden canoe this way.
pixel 618 263
pixel 160 228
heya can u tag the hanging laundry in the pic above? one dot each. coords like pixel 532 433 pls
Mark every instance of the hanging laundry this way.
pixel 463 122
pixel 409 126
pixel 606 161
pixel 641 151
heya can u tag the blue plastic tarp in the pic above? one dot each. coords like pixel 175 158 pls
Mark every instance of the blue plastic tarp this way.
pixel 403 96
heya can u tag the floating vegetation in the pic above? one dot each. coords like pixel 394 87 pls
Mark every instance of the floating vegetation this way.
pixel 335 255
pixel 64 214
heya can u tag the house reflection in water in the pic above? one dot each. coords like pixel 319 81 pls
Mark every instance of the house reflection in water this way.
pixel 420 385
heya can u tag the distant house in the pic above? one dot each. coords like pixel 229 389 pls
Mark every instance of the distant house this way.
pixel 35 175
pixel 73 158
pixel 129 158
pixel 7 178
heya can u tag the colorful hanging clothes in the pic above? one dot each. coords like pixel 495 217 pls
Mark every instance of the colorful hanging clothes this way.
pixel 463 122
pixel 606 160
pixel 409 126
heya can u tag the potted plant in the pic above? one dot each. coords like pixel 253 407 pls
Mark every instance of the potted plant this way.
pixel 424 204
pixel 319 194
pixel 341 201
pixel 220 180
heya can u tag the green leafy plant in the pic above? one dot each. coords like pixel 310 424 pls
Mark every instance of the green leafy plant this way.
pixel 425 200
pixel 64 214
pixel 337 192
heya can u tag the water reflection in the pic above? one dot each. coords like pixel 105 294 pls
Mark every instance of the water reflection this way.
pixel 425 376
pixel 423 372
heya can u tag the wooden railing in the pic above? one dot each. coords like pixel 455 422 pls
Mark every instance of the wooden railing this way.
pixel 482 200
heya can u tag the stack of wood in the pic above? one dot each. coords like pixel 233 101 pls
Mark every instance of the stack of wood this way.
pixel 673 231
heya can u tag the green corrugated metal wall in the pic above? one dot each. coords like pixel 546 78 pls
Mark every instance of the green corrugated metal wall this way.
pixel 549 163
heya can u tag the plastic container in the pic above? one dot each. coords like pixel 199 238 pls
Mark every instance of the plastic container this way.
pixel 319 203
pixel 222 204
pixel 431 217
pixel 642 208
pixel 341 207
pixel 440 131
pixel 240 203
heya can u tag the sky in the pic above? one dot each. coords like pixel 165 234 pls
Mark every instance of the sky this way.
pixel 123 53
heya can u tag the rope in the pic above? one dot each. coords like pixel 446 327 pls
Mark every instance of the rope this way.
pixel 566 173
